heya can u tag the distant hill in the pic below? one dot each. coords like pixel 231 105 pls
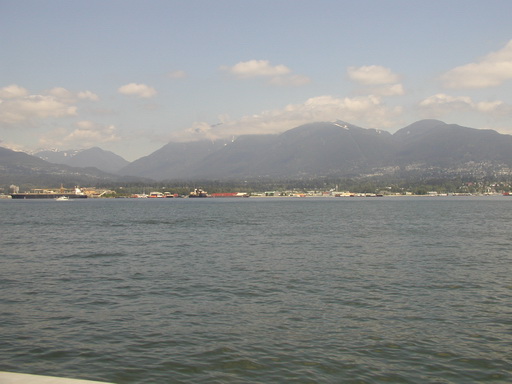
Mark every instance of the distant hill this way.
pixel 318 148
pixel 312 149
pixel 23 169
pixel 174 160
pixel 93 157
pixel 327 149
pixel 434 142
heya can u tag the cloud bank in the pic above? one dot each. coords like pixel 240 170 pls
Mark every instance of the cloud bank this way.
pixel 366 110
pixel 13 92
pixel 443 104
pixel 491 71
pixel 18 106
pixel 86 134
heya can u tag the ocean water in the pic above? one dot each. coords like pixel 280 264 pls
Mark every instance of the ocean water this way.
pixel 258 290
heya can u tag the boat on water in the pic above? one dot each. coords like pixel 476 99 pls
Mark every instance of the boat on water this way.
pixel 62 198
pixel 50 194
pixel 198 192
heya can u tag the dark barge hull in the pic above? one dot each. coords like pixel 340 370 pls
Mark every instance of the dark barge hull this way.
pixel 46 195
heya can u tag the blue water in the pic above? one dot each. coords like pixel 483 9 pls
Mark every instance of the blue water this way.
pixel 258 290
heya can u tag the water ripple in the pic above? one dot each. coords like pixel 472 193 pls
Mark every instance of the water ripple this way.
pixel 303 291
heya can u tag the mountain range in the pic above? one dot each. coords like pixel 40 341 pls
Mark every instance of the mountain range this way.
pixel 105 161
pixel 323 149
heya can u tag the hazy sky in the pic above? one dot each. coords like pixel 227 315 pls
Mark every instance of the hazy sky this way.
pixel 130 76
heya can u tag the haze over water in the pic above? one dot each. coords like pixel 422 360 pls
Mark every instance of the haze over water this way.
pixel 328 290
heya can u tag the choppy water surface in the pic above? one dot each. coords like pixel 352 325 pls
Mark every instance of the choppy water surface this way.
pixel 345 290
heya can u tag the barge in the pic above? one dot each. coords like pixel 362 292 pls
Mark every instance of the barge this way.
pixel 47 194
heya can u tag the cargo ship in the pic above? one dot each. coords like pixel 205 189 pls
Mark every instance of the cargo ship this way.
pixel 49 194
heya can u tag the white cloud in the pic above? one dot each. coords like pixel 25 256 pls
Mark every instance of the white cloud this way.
pixel 92 133
pixel 388 90
pixel 12 92
pixel 442 99
pixel 61 94
pixel 490 71
pixel 365 111
pixel 86 125
pixel 18 106
pixel 257 68
pixel 67 96
pixel 86 134
pixel 15 147
pixel 443 104
pixel 279 75
pixel 491 106
pixel 376 80
pixel 372 75
pixel 88 95
pixel 177 75
pixel 138 90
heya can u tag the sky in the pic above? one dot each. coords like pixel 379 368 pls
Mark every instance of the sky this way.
pixel 130 76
